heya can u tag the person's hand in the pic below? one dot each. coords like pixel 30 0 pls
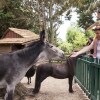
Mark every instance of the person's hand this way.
pixel 90 54
pixel 74 54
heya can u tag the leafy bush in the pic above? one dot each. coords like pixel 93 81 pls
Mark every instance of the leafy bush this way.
pixel 65 46
pixel 75 40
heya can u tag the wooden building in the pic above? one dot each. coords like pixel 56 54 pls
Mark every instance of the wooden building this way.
pixel 14 39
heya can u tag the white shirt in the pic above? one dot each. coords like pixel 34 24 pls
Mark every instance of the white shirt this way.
pixel 98 49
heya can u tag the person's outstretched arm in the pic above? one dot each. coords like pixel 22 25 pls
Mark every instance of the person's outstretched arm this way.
pixel 90 27
pixel 84 50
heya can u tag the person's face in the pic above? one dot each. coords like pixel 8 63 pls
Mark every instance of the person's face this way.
pixel 97 32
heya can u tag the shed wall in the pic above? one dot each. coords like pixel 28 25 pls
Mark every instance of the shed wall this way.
pixel 5 48
pixel 11 34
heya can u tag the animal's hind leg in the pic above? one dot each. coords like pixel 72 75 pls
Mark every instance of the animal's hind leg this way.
pixel 30 79
pixel 70 84
pixel 38 80
pixel 9 92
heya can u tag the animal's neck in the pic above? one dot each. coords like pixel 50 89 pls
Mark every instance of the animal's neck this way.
pixel 72 63
pixel 29 54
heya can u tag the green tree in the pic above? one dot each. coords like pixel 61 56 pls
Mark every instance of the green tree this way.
pixel 89 33
pixel 86 11
pixel 65 46
pixel 38 14
pixel 79 41
pixel 85 20
pixel 76 37
pixel 50 13
pixel 14 14
pixel 71 34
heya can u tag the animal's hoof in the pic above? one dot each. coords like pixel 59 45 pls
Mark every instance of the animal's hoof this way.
pixel 28 83
pixel 35 91
pixel 71 91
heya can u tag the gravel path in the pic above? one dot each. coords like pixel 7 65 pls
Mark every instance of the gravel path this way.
pixel 56 89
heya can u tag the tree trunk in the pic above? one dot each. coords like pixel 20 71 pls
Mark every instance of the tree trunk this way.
pixel 44 19
pixel 20 92
pixel 51 23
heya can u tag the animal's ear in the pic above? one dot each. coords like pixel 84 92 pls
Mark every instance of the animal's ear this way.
pixel 42 35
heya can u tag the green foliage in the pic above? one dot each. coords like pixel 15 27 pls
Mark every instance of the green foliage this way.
pixel 71 34
pixel 85 20
pixel 89 33
pixel 75 40
pixel 65 46
pixel 5 21
pixel 79 41
pixel 85 12
pixel 76 37
pixel 14 13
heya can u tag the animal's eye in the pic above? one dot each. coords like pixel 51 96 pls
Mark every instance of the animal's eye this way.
pixel 51 46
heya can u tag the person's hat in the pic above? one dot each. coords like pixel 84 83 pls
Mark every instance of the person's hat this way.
pixel 96 28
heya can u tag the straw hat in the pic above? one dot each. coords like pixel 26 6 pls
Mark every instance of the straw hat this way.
pixel 96 28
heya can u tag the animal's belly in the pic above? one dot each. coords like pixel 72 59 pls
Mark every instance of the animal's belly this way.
pixel 60 74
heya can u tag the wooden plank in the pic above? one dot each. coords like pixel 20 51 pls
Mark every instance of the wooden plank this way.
pixel 5 48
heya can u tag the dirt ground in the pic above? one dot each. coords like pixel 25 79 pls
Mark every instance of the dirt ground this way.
pixel 55 89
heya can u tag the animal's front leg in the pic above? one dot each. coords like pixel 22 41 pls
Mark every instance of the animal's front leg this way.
pixel 37 87
pixel 70 84
pixel 39 79
pixel 37 84
pixel 9 92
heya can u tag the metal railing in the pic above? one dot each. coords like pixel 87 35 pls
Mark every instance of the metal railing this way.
pixel 88 76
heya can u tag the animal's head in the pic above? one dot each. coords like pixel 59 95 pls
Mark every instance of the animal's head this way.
pixel 49 51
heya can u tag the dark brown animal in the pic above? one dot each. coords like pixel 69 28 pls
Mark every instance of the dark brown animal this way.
pixel 60 71
pixel 30 73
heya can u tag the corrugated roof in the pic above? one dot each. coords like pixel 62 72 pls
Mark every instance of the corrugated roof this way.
pixel 17 40
pixel 22 32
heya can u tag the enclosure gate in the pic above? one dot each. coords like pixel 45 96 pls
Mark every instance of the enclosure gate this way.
pixel 88 76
